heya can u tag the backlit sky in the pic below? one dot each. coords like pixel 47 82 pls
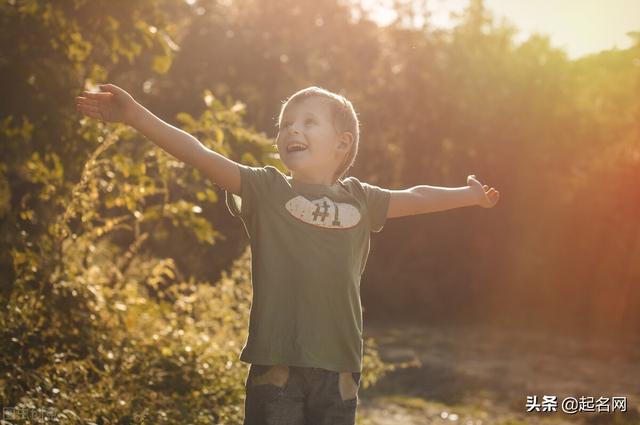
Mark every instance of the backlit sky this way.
pixel 577 26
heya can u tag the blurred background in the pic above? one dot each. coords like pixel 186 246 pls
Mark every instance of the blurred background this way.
pixel 125 281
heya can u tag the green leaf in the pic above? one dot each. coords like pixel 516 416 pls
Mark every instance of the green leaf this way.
pixel 161 64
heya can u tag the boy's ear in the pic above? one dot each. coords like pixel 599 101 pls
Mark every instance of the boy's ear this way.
pixel 346 140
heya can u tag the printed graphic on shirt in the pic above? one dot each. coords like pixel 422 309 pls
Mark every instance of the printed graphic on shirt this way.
pixel 324 212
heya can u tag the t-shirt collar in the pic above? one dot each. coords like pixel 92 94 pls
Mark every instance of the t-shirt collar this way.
pixel 314 188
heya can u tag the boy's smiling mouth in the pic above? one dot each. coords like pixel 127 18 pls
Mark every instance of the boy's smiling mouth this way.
pixel 296 147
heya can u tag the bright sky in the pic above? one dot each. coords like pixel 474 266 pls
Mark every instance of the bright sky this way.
pixel 577 26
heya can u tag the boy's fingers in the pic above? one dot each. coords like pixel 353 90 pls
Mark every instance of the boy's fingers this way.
pixel 108 87
pixel 111 88
pixel 87 105
pixel 90 95
pixel 93 114
pixel 90 108
pixel 85 101
pixel 97 96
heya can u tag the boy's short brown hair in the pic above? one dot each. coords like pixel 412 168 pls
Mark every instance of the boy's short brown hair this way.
pixel 344 119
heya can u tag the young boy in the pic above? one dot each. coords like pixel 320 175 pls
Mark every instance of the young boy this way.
pixel 309 233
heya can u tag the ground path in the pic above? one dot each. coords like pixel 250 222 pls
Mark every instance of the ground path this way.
pixel 481 376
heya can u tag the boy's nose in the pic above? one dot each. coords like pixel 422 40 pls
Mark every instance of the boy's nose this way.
pixel 293 129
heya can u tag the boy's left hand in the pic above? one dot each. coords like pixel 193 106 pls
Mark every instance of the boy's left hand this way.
pixel 487 197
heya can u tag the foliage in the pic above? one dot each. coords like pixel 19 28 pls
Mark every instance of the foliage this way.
pixel 84 308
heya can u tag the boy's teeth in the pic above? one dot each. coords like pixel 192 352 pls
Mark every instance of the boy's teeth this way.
pixel 296 148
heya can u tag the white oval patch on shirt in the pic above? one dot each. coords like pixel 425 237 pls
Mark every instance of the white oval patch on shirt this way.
pixel 324 212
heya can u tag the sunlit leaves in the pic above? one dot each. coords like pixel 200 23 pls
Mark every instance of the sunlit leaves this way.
pixel 187 121
pixel 161 64
pixel 221 124
pixel 187 214
pixel 207 195
pixel 47 171
pixel 27 7
pixel 78 48
pixel 164 270
pixel 16 131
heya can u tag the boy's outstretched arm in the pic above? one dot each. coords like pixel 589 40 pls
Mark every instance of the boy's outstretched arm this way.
pixel 425 199
pixel 114 104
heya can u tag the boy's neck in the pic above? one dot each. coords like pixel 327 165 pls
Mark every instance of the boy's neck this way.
pixel 317 180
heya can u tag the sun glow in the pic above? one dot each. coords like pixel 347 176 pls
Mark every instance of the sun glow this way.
pixel 579 27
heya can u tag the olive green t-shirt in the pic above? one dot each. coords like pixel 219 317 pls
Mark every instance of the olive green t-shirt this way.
pixel 309 247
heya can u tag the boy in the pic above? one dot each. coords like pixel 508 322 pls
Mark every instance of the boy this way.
pixel 309 234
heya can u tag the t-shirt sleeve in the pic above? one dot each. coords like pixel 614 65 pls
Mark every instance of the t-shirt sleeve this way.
pixel 377 200
pixel 255 185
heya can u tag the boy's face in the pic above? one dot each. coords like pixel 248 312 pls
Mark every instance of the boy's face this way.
pixel 308 124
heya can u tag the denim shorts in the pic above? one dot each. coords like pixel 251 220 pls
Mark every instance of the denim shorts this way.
pixel 293 395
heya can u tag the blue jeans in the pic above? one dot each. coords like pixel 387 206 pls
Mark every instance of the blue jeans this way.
pixel 293 395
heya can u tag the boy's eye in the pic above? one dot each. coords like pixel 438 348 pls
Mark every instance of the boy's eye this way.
pixel 307 121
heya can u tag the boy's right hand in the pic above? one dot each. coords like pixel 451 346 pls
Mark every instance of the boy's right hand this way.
pixel 111 104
